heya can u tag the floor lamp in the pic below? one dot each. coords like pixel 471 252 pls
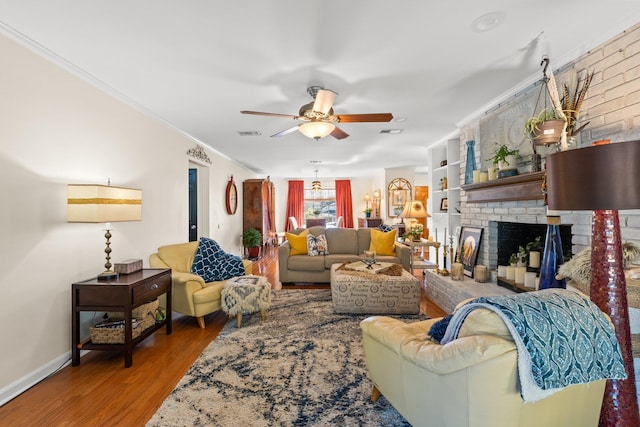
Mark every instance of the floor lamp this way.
pixel 604 178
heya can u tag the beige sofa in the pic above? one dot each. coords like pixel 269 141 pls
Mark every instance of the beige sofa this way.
pixel 344 244
pixel 191 295
pixel 469 382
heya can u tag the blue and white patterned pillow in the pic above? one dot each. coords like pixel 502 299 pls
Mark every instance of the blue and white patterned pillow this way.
pixel 317 245
pixel 385 227
pixel 213 264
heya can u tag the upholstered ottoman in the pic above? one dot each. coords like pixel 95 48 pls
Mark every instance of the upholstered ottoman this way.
pixel 374 293
pixel 246 294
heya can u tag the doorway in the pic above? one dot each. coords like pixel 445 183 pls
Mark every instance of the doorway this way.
pixel 193 204
pixel 198 221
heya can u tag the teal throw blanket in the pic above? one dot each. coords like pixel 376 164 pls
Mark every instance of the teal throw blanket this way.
pixel 562 338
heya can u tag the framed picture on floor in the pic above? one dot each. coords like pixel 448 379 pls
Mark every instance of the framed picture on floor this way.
pixel 470 238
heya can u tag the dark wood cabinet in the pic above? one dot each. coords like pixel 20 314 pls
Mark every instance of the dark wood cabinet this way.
pixel 258 200
pixel 124 293
pixel 369 222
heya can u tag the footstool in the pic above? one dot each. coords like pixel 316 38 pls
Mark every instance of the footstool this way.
pixel 374 293
pixel 245 295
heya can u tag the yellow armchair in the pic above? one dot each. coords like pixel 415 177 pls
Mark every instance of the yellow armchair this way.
pixel 191 295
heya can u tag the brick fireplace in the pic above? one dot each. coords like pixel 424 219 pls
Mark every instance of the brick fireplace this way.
pixel 523 221
pixel 512 235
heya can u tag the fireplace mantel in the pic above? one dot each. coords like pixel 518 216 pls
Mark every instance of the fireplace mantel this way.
pixel 527 186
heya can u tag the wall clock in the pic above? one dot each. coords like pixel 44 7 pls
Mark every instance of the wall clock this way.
pixel 231 197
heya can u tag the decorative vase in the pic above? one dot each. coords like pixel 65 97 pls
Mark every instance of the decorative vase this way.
pixel 552 257
pixel 471 163
pixel 367 214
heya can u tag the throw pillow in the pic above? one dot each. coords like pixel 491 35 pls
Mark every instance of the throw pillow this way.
pixel 213 264
pixel 298 242
pixel 385 227
pixel 436 333
pixel 383 243
pixel 317 245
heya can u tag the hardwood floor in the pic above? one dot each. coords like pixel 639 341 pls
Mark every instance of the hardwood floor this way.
pixel 102 392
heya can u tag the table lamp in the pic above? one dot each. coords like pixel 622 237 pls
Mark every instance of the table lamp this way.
pixel 412 210
pixel 604 178
pixel 103 203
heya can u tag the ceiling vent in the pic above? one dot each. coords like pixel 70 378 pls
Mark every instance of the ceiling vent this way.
pixel 391 131
pixel 249 133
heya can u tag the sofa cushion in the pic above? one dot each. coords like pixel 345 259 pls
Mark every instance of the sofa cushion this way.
pixel 213 264
pixel 306 263
pixel 298 242
pixel 342 240
pixel 383 242
pixel 317 245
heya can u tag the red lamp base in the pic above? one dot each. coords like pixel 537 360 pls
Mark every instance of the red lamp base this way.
pixel 609 292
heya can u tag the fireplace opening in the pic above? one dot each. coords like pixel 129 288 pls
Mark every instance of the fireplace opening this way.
pixel 512 235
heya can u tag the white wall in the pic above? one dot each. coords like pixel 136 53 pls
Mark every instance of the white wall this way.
pixel 55 129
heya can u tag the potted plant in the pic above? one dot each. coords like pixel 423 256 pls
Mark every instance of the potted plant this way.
pixel 367 212
pixel 252 240
pixel 505 158
pixel 544 128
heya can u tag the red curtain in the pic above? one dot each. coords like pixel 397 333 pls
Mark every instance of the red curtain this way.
pixel 344 206
pixel 295 203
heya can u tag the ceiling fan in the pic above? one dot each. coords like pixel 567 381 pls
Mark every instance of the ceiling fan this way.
pixel 319 120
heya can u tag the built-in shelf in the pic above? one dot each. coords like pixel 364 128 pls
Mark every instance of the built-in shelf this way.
pixel 520 187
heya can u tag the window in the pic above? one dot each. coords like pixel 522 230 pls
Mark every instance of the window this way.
pixel 320 204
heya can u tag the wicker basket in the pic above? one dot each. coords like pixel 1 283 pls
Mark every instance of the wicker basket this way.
pixel 145 314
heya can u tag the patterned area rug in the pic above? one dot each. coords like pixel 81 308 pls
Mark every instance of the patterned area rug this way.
pixel 303 366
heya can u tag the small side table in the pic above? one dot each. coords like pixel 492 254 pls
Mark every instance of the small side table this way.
pixel 418 262
pixel 123 293
pixel 245 295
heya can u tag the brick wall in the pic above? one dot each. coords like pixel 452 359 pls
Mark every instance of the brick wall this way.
pixel 612 107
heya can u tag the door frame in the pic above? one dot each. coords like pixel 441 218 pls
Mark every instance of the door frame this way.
pixel 203 208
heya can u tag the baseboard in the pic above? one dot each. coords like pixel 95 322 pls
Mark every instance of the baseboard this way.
pixel 26 382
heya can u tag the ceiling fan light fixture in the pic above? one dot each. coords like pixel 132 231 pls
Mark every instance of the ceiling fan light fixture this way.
pixel 316 129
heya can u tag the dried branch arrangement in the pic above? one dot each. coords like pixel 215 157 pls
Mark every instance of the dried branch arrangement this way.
pixel 572 102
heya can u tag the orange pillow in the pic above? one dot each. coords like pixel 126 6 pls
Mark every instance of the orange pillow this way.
pixel 298 242
pixel 383 243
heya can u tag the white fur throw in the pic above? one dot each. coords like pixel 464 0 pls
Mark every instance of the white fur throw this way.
pixel 578 268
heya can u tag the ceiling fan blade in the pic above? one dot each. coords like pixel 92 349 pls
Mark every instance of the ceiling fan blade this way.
pixel 260 113
pixel 374 117
pixel 285 132
pixel 324 101
pixel 339 133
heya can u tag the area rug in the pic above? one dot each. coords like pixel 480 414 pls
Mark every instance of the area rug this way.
pixel 303 366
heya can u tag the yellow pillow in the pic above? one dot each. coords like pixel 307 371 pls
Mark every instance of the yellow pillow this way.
pixel 383 243
pixel 298 242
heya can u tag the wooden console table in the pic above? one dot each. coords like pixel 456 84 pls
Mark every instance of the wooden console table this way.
pixel 369 222
pixel 123 294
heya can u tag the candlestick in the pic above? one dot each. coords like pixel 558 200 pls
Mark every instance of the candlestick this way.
pixel 444 271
